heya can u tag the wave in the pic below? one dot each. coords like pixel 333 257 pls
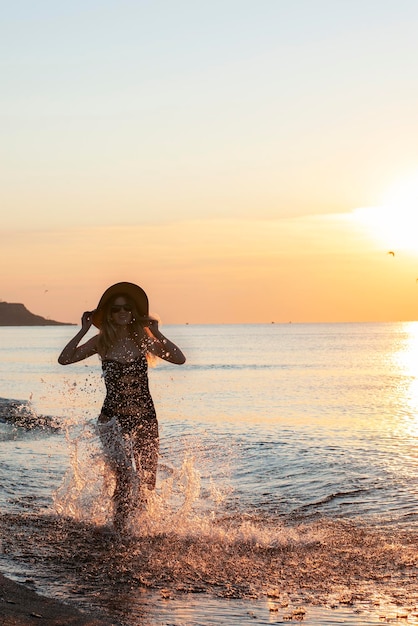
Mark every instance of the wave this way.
pixel 238 366
pixel 21 413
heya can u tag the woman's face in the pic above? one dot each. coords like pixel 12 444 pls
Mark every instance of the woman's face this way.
pixel 121 311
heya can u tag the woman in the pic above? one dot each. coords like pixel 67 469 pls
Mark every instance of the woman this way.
pixel 128 424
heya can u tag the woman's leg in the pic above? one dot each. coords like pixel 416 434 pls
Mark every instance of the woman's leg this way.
pixel 145 448
pixel 117 449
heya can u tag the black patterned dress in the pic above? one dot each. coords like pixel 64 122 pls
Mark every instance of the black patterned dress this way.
pixel 128 427
pixel 128 396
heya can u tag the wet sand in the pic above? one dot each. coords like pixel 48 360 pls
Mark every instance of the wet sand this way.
pixel 20 606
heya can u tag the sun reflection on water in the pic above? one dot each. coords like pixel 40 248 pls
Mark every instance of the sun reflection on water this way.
pixel 406 362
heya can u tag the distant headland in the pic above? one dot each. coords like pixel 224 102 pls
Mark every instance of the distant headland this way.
pixel 16 314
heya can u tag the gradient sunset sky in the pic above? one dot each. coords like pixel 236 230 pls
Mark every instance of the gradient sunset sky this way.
pixel 243 161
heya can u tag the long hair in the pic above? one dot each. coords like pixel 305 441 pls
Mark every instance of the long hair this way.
pixel 108 334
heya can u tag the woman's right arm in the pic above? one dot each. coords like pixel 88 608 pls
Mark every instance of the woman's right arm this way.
pixel 72 351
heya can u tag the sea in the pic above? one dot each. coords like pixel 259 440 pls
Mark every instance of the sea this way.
pixel 287 488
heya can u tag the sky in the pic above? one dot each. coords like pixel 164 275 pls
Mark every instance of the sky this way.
pixel 243 161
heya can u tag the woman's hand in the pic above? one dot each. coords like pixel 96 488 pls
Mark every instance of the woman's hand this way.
pixel 159 345
pixel 152 324
pixel 72 351
pixel 87 320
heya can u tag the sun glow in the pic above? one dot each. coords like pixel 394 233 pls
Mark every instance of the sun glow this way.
pixel 394 222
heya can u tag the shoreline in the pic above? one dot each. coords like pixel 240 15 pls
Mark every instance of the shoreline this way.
pixel 21 606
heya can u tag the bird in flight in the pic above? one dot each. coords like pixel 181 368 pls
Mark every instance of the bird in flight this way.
pixel 391 252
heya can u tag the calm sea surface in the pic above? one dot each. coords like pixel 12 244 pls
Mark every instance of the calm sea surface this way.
pixel 287 486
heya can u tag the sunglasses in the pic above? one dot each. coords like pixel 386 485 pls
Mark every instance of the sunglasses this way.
pixel 116 308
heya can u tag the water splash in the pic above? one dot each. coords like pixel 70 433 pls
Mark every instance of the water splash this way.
pixel 186 541
pixel 178 542
pixel 317 563
pixel 85 493
pixel 189 539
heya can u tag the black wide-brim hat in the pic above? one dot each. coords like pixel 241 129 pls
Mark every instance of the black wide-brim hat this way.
pixel 131 291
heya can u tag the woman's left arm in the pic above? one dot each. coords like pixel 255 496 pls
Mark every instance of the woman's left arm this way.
pixel 160 346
